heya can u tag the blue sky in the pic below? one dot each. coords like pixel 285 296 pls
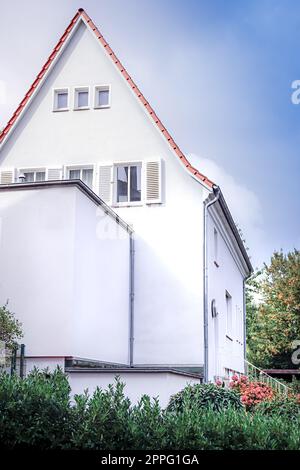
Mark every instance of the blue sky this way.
pixel 219 75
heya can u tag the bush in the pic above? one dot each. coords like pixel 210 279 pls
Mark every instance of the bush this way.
pixel 37 412
pixel 252 393
pixel 285 407
pixel 205 396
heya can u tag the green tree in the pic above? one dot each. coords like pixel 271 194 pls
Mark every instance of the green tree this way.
pixel 10 327
pixel 273 321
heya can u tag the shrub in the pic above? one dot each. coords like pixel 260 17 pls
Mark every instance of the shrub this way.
pixel 251 393
pixel 285 407
pixel 205 396
pixel 34 411
pixel 37 412
pixel 102 421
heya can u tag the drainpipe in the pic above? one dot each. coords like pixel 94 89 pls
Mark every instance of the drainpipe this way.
pixel 216 191
pixel 131 299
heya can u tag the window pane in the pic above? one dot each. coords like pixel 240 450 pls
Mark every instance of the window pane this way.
pixel 62 100
pixel 87 177
pixel 122 183
pixel 82 99
pixel 74 174
pixel 29 177
pixel 40 176
pixel 135 183
pixel 103 98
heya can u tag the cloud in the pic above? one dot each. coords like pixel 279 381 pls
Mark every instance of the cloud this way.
pixel 244 205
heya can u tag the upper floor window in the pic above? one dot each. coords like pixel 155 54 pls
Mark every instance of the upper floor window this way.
pixel 34 176
pixel 61 100
pixel 216 247
pixel 84 174
pixel 102 96
pixel 81 98
pixel 128 183
pixel 229 322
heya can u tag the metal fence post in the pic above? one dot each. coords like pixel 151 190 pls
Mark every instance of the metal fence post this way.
pixel 22 360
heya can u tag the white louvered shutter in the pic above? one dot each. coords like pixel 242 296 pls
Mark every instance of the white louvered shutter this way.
pixel 7 176
pixel 153 181
pixel 54 174
pixel 105 183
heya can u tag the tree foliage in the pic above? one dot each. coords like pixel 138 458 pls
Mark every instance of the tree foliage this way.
pixel 273 322
pixel 10 327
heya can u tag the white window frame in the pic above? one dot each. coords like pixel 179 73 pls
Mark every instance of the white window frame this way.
pixel 56 91
pixel 77 90
pixel 115 185
pixel 102 88
pixel 229 315
pixel 33 170
pixel 81 166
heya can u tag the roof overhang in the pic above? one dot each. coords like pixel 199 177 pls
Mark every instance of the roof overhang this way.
pixel 69 183
pixel 221 211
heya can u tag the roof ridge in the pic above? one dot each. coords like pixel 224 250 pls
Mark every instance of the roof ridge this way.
pixel 82 13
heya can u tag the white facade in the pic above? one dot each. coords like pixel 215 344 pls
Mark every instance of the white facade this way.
pixel 168 231
pixel 225 286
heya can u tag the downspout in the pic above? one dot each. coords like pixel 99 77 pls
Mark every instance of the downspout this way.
pixel 216 191
pixel 131 299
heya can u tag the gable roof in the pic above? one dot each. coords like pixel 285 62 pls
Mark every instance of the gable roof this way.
pixel 81 14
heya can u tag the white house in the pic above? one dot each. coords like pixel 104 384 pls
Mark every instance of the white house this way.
pixel 116 254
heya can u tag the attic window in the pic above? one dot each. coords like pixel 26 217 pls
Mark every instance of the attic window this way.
pixel 102 96
pixel 81 99
pixel 61 100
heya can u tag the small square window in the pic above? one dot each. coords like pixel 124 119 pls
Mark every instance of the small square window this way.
pixel 61 100
pixel 81 98
pixel 102 97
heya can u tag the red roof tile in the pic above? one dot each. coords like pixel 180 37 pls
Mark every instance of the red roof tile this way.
pixel 152 114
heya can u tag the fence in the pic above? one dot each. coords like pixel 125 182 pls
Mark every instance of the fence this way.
pixel 254 373
pixel 12 359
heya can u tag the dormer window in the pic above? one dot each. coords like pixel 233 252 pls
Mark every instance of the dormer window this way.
pixel 102 96
pixel 81 98
pixel 61 100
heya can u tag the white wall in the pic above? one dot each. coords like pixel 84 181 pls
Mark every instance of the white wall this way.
pixel 59 271
pixel 169 236
pixel 101 285
pixel 44 363
pixel 226 277
pixel 154 384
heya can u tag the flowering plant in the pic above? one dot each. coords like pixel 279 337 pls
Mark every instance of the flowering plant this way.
pixel 252 393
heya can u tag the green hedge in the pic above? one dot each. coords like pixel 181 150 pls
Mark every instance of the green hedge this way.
pixel 37 412
pixel 203 396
